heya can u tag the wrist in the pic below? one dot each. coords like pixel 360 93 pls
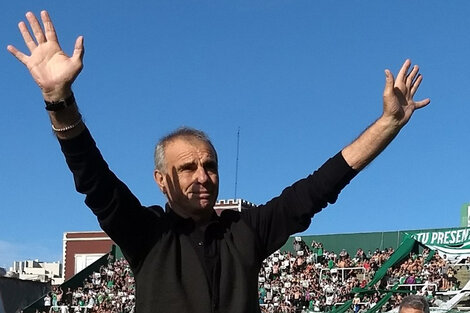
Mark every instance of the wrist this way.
pixel 389 124
pixel 56 106
pixel 57 94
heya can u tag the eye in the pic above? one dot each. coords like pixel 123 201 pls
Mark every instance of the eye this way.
pixel 188 167
pixel 211 166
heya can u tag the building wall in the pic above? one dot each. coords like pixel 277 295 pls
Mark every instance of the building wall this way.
pixel 232 204
pixel 37 270
pixel 93 244
pixel 16 294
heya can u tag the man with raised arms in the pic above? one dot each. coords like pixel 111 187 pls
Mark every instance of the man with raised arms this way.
pixel 184 257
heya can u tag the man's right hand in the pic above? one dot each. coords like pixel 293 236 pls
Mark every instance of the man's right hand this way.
pixel 50 67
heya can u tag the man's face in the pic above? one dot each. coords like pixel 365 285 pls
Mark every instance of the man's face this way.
pixel 190 180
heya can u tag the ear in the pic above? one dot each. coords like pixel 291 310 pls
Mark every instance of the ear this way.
pixel 160 180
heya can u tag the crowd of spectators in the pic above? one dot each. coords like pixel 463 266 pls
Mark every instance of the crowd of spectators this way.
pixel 110 290
pixel 310 279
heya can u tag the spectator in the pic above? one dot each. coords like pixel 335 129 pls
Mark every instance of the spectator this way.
pixel 414 304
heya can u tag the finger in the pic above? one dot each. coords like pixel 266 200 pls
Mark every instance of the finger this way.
pixel 48 27
pixel 36 27
pixel 410 78
pixel 404 69
pixel 416 85
pixel 17 54
pixel 389 82
pixel 28 40
pixel 422 103
pixel 78 50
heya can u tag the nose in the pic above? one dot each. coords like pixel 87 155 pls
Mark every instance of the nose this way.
pixel 201 175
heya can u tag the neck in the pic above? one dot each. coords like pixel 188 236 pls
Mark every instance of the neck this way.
pixel 200 218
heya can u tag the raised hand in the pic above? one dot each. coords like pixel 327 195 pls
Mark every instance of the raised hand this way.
pixel 50 67
pixel 398 95
pixel 398 106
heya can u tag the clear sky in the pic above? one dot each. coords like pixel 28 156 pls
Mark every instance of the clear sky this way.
pixel 301 79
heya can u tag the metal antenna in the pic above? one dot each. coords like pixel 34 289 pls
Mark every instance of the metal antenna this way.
pixel 236 164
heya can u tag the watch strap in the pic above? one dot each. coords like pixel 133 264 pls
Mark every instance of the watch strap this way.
pixel 61 104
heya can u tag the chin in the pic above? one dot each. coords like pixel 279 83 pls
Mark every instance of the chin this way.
pixel 207 204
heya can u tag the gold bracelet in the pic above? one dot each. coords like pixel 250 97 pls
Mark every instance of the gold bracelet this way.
pixel 66 128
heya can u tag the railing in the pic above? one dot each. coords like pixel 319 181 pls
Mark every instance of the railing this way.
pixel 460 265
pixel 361 270
pixel 341 303
pixel 414 286
pixel 70 309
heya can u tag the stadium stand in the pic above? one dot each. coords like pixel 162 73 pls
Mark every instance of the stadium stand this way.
pixel 306 279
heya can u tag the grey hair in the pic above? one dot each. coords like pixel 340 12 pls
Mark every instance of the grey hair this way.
pixel 414 302
pixel 187 133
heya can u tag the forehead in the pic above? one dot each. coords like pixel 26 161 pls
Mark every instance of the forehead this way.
pixel 410 310
pixel 188 149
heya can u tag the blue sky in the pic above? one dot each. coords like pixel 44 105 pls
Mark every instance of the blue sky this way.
pixel 301 79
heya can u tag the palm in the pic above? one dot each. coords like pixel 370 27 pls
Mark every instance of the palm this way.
pixel 49 66
pixel 398 94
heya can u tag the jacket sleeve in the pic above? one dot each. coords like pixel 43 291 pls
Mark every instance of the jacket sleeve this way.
pixel 119 212
pixel 291 212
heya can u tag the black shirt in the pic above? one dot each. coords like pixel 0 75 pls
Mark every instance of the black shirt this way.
pixel 179 268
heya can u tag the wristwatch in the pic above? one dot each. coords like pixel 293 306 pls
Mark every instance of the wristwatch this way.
pixel 61 104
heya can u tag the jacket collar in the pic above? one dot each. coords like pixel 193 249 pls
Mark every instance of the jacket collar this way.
pixel 187 224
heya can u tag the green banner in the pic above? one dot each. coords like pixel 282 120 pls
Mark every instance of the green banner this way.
pixel 452 244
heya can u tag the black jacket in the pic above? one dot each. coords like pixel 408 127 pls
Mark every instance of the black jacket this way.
pixel 179 268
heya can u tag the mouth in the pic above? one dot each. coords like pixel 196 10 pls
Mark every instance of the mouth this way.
pixel 203 195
